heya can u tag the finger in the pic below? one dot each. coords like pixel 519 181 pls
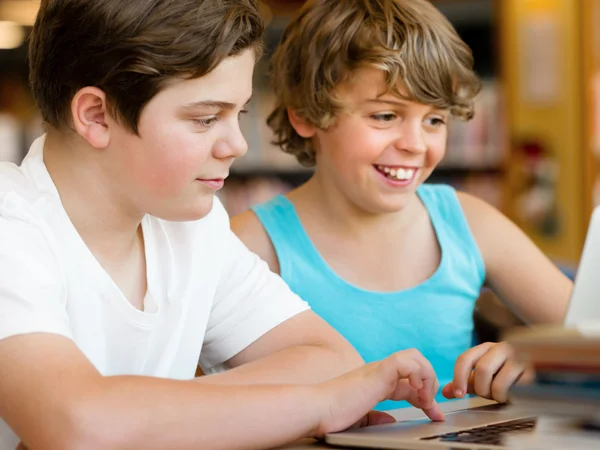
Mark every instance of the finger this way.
pixel 406 368
pixel 427 393
pixel 528 376
pixel 449 389
pixel 508 375
pixel 471 383
pixel 413 366
pixel 427 372
pixel 433 412
pixel 415 380
pixel 404 391
pixel 465 364
pixel 488 367
pixel 430 386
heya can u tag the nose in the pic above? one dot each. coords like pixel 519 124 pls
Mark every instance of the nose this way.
pixel 232 144
pixel 412 137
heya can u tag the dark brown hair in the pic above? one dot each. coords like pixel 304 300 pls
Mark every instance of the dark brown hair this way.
pixel 131 48
pixel 410 40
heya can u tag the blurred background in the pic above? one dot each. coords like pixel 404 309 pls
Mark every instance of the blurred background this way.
pixel 532 149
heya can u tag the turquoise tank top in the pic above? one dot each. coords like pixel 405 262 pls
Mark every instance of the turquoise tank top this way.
pixel 436 317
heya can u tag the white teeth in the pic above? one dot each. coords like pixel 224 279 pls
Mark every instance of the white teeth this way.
pixel 398 174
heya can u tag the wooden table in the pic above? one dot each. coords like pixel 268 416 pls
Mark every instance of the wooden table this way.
pixel 399 415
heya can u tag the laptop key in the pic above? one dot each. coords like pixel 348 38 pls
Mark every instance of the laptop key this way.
pixel 490 434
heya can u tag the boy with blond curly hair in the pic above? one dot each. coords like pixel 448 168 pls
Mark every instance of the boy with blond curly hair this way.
pixel 365 90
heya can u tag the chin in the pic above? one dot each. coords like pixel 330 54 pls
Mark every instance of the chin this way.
pixel 391 207
pixel 188 213
pixel 388 204
pixel 198 212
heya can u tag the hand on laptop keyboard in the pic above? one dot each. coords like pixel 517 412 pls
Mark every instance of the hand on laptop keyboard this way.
pixel 488 370
pixel 405 375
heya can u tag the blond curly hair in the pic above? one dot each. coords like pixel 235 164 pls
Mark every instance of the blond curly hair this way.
pixel 410 40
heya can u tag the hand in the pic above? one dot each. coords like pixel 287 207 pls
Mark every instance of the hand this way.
pixel 488 370
pixel 405 375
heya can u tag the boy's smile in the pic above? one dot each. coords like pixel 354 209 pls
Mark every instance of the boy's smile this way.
pixel 397 176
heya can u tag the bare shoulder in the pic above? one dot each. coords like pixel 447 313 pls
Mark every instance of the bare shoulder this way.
pixel 251 232
pixel 483 219
pixel 476 209
pixel 489 226
pixel 496 235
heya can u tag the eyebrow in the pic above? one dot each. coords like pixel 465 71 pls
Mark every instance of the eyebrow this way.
pixel 387 102
pixel 400 102
pixel 213 104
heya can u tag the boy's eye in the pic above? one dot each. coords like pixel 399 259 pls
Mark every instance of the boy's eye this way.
pixel 206 121
pixel 387 117
pixel 435 121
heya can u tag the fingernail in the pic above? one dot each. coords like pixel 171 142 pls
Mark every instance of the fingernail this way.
pixel 458 393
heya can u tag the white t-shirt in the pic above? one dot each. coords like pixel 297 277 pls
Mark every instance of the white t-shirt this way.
pixel 208 296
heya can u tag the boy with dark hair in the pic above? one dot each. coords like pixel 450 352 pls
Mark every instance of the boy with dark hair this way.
pixel 119 271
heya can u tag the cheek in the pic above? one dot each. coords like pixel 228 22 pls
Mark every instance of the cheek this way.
pixel 358 145
pixel 171 160
pixel 437 151
pixel 340 155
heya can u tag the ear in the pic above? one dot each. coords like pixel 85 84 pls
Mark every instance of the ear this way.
pixel 302 127
pixel 90 116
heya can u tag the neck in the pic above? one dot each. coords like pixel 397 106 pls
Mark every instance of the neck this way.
pixel 325 201
pixel 89 198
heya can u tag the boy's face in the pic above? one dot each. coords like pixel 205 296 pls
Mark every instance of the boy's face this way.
pixel 382 147
pixel 189 135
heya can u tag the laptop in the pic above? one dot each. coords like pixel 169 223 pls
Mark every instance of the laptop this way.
pixel 481 424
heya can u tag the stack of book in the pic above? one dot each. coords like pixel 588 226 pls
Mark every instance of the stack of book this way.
pixel 565 391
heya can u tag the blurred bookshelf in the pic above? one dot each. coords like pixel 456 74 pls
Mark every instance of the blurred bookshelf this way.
pixel 19 121
pixel 550 70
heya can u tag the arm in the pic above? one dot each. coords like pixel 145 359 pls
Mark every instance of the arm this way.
pixel 525 280
pixel 517 271
pixel 303 349
pixel 71 406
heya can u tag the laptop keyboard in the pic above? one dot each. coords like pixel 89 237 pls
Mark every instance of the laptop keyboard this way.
pixel 490 434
